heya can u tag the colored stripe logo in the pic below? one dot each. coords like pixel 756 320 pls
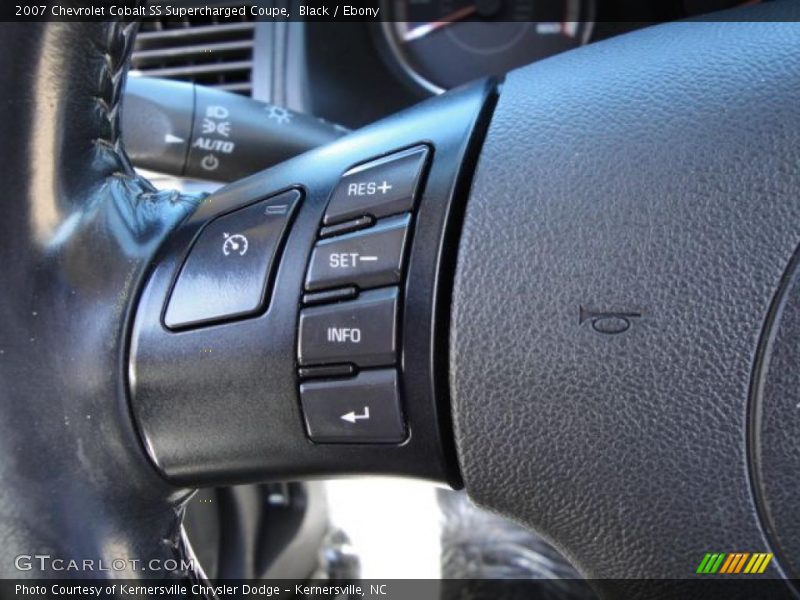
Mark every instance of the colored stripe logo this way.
pixel 732 563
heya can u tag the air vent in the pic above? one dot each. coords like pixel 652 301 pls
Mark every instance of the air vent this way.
pixel 217 53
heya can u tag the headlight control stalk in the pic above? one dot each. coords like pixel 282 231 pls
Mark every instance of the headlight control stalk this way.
pixel 188 130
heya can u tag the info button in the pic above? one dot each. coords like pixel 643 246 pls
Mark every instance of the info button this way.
pixel 361 332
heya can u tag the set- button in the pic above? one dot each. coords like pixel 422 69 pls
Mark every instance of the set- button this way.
pixel 368 258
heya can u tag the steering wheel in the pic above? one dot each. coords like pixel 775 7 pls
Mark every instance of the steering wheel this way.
pixel 574 292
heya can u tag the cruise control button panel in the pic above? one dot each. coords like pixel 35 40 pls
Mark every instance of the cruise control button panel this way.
pixel 306 327
pixel 361 251
pixel 362 409
pixel 229 265
pixel 367 258
pixel 383 187
pixel 361 331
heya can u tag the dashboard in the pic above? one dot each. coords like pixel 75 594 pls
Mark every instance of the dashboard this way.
pixel 353 73
pixel 426 47
pixel 440 45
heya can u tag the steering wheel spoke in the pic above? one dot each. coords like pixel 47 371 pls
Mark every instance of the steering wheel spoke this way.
pixel 296 324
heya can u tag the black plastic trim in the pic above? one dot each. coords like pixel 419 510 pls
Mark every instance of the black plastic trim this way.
pixel 754 407
pixel 233 415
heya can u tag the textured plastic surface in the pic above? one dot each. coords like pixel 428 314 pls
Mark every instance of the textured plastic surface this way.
pixel 650 180
pixel 775 424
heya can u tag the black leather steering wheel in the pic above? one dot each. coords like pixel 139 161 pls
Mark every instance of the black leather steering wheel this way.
pixel 79 232
pixel 595 317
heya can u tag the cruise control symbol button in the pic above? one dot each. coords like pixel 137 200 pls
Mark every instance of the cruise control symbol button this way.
pixel 227 270
pixel 234 244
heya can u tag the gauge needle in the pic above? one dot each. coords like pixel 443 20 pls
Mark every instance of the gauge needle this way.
pixel 423 30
